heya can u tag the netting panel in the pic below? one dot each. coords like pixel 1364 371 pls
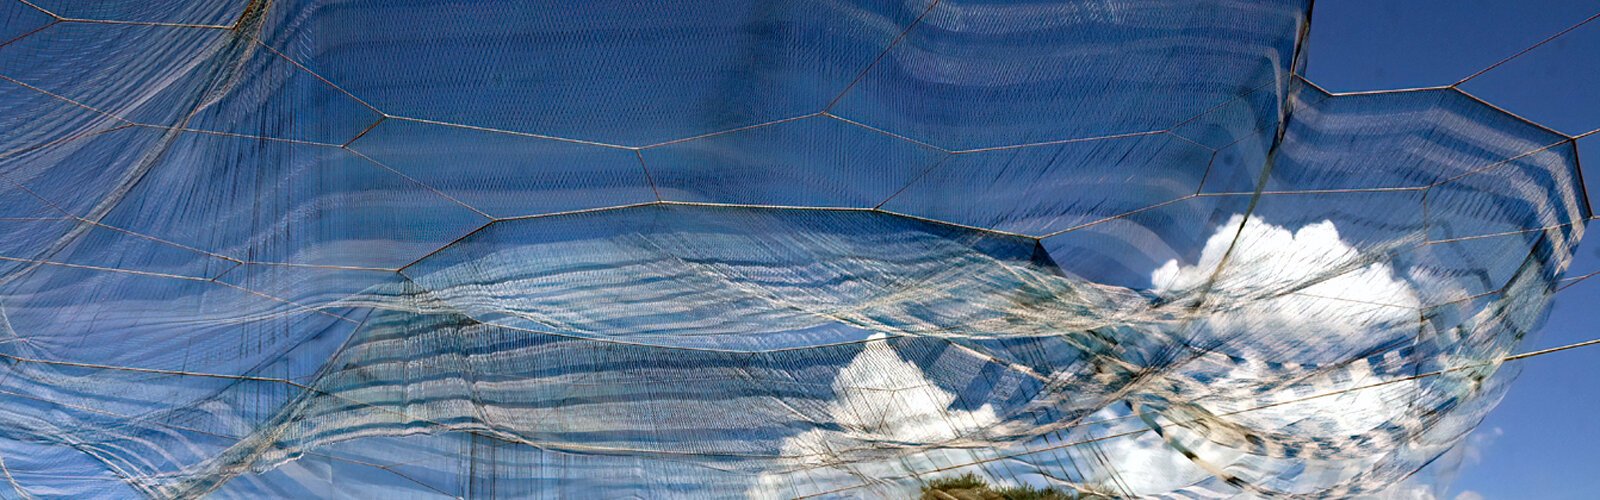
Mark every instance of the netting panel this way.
pixel 720 249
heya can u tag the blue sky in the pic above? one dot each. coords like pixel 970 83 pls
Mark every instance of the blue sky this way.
pixel 1544 439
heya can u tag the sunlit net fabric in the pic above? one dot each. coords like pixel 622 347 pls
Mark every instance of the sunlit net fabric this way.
pixel 727 248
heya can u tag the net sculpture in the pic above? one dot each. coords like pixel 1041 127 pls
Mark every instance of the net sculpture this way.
pixel 729 249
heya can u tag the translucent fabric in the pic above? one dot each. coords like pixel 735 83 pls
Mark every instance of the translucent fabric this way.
pixel 303 248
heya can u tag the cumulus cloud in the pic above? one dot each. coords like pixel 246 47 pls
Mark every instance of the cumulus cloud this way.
pixel 880 398
pixel 1472 450
pixel 1277 301
pixel 1277 283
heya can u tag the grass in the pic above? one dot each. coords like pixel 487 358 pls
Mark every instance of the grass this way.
pixel 971 487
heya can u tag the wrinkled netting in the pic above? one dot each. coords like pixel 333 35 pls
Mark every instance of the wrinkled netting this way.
pixel 723 249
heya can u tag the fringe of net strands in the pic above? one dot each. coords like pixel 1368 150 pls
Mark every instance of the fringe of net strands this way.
pixel 304 248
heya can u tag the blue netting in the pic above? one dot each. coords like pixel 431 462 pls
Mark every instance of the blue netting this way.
pixel 714 249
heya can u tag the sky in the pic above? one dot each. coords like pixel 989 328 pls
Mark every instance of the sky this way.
pixel 1543 441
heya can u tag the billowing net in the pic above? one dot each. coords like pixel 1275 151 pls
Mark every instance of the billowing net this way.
pixel 726 248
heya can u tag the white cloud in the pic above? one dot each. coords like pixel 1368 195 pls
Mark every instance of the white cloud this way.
pixel 1279 302
pixel 1405 491
pixel 1480 440
pixel 884 397
pixel 880 398
pixel 1266 260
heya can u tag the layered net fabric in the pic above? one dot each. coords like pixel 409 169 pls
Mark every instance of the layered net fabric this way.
pixel 404 248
